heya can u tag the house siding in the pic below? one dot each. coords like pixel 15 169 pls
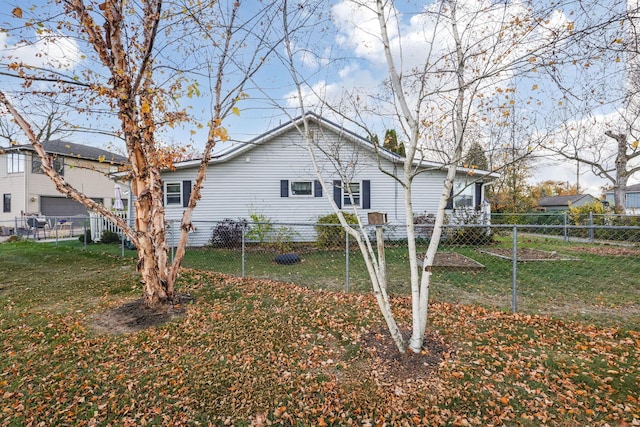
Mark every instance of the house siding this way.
pixel 26 188
pixel 253 181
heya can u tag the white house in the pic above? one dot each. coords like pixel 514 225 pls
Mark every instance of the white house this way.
pixel 272 175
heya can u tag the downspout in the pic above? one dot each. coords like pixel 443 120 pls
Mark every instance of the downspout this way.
pixel 395 190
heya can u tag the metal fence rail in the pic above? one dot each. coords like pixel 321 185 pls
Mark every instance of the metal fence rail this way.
pixel 509 262
pixel 40 227
pixel 510 266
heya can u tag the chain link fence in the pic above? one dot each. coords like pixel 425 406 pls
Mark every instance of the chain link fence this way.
pixel 542 268
pixel 546 264
pixel 41 227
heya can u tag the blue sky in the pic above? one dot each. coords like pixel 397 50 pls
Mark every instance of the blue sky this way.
pixel 342 56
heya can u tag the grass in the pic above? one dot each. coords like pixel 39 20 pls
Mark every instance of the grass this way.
pixel 598 288
pixel 257 351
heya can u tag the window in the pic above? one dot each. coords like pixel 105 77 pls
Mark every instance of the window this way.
pixel 349 191
pixel 301 188
pixel 173 194
pixel 360 191
pixel 6 203
pixel 463 201
pixel 463 195
pixel 36 164
pixel 15 163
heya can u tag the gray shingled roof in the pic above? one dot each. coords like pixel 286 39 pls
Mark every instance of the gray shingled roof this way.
pixel 561 200
pixel 634 187
pixel 70 149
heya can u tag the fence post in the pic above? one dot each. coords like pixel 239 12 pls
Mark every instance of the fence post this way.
pixel 591 231
pixel 566 232
pixel 84 232
pixel 54 221
pixel 514 291
pixel 244 229
pixel 346 255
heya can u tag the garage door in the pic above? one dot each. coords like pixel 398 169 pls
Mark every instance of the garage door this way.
pixel 61 206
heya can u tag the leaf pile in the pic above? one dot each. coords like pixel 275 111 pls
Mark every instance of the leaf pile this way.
pixel 255 352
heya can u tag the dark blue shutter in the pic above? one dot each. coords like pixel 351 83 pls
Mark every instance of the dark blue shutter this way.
pixel 317 188
pixel 186 193
pixel 450 200
pixel 284 188
pixel 366 194
pixel 337 193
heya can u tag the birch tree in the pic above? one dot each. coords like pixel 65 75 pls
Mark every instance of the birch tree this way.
pixel 139 62
pixel 463 74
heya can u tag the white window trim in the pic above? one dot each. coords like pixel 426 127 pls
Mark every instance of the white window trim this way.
pixel 19 163
pixel 346 199
pixel 291 182
pixel 166 194
pixel 36 164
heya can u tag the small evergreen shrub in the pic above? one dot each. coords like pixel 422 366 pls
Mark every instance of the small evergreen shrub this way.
pixel 86 237
pixel 329 233
pixel 109 236
pixel 228 233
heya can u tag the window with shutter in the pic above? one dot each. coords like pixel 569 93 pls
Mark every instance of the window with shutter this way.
pixel 173 193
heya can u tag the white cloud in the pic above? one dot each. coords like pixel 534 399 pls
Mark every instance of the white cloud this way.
pixel 48 50
pixel 359 30
pixel 353 79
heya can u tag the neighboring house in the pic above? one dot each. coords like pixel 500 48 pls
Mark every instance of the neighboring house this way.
pixel 632 199
pixel 26 190
pixel 563 203
pixel 273 175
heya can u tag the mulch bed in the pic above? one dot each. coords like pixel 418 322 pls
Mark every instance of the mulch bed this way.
pixel 135 316
pixel 526 254
pixel 608 250
pixel 409 365
pixel 448 261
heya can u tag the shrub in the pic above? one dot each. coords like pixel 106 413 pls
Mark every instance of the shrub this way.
pixel 328 231
pixel 86 237
pixel 424 225
pixel 284 239
pixel 579 215
pixel 473 233
pixel 109 236
pixel 261 228
pixel 228 233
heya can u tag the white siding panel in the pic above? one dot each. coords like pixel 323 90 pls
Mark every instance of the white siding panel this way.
pixel 250 183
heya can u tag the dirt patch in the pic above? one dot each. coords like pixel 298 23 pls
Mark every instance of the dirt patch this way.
pixel 135 316
pixel 409 365
pixel 446 261
pixel 607 250
pixel 526 254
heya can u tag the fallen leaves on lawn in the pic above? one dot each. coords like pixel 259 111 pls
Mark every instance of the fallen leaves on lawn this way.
pixel 264 353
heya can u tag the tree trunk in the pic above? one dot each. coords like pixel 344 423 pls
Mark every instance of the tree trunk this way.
pixel 622 174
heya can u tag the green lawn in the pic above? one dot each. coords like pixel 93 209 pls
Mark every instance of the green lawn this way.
pixel 254 351
pixel 596 288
